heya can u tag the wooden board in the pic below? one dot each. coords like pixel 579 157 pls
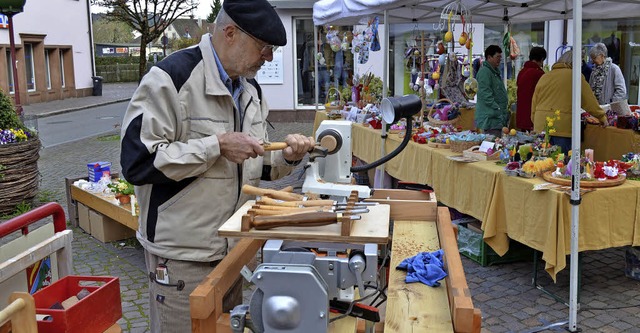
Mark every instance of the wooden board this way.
pixel 584 183
pixel 106 205
pixel 415 307
pixel 372 228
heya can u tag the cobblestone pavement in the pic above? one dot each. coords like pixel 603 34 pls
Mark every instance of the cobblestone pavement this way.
pixel 504 293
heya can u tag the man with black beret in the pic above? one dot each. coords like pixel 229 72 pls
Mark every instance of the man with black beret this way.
pixel 191 138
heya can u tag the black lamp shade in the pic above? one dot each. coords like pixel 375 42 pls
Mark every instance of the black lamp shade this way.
pixel 10 7
pixel 396 108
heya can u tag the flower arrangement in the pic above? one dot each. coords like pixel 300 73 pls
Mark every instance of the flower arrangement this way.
pixel 549 129
pixel 11 128
pixel 121 187
pixel 13 135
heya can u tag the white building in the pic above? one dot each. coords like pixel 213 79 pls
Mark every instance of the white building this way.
pixel 54 52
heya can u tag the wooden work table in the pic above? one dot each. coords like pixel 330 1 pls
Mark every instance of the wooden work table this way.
pixel 106 205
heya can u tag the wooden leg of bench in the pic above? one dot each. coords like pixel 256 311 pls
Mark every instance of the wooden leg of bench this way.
pixel 466 318
pixel 206 300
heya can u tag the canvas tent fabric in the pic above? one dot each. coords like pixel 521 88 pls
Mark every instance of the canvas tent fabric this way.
pixel 347 12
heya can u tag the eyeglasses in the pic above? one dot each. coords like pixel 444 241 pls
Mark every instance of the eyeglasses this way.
pixel 265 47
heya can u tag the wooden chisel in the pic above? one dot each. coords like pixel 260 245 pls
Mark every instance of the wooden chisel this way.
pixel 286 196
pixel 299 220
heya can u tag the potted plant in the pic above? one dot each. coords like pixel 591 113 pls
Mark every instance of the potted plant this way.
pixel 19 147
pixel 122 189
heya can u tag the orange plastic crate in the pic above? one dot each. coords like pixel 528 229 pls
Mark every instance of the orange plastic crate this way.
pixel 95 313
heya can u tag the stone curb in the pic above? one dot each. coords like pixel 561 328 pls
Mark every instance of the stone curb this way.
pixel 77 108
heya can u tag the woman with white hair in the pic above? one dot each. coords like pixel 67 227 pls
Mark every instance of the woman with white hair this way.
pixel 552 97
pixel 606 79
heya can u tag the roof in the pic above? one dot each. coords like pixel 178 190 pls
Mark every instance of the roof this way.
pixel 184 26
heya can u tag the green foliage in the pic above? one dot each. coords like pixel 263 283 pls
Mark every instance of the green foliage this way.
pixel 121 186
pixel 8 116
pixel 2 167
pixel 20 209
pixel 215 9
pixel 109 31
pixel 182 43
pixel 100 61
pixel 346 93
pixel 512 93
pixel 113 137
pixel 45 196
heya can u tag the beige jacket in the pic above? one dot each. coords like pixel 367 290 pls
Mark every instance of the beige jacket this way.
pixel 170 151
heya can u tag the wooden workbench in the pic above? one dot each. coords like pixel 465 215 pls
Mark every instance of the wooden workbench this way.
pixel 106 205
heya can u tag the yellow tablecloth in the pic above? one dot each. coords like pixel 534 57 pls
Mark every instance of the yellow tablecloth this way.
pixel 611 142
pixel 466 121
pixel 508 206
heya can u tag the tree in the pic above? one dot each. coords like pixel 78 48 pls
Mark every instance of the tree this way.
pixel 149 17
pixel 215 9
pixel 107 31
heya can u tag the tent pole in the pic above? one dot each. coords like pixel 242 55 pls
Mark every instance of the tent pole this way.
pixel 575 178
pixel 379 175
pixel 316 89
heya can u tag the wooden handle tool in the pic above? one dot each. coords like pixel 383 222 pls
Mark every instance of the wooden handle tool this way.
pixel 306 203
pixel 286 196
pixel 268 146
pixel 296 220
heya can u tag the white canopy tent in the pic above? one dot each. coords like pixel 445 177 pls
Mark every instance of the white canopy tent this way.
pixel 483 11
pixel 346 12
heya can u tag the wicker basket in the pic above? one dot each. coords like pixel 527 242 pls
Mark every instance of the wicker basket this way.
pixel 458 146
pixel 333 109
pixel 436 122
pixel 19 175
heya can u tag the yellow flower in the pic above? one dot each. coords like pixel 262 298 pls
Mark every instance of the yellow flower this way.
pixel 558 118
pixel 550 123
pixel 552 130
pixel 549 119
pixel 557 113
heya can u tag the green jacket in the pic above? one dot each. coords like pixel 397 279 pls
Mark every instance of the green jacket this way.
pixel 554 92
pixel 491 109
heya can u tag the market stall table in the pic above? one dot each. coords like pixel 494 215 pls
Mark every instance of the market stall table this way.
pixel 508 206
pixel 610 142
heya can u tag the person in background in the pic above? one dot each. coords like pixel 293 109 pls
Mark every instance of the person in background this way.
pixel 527 80
pixel 491 110
pixel 586 67
pixel 554 93
pixel 606 79
pixel 191 138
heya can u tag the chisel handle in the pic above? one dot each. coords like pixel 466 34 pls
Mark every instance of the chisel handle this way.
pixel 252 190
pixel 274 146
pixel 294 220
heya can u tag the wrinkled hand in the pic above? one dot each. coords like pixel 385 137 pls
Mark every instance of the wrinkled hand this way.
pixel 298 146
pixel 237 147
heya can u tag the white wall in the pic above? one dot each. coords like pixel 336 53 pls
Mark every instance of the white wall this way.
pixel 64 22
pixel 282 96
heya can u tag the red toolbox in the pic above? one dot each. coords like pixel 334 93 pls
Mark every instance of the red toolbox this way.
pixel 95 312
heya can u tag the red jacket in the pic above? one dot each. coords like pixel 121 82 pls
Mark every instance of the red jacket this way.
pixel 527 80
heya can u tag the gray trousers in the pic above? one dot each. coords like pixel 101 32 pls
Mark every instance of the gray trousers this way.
pixel 169 310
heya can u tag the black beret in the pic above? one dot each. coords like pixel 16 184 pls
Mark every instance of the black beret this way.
pixel 258 18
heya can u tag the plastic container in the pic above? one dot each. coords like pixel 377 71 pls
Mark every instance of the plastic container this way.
pixel 94 313
pixel 472 246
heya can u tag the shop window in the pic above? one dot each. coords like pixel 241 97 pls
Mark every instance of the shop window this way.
pixel 408 41
pixel 47 68
pixel 61 52
pixel 29 67
pixel 335 69
pixel 9 71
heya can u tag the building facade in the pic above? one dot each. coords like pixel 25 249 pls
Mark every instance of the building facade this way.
pixel 53 41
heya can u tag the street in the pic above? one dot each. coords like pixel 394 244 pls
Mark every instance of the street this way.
pixel 82 124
